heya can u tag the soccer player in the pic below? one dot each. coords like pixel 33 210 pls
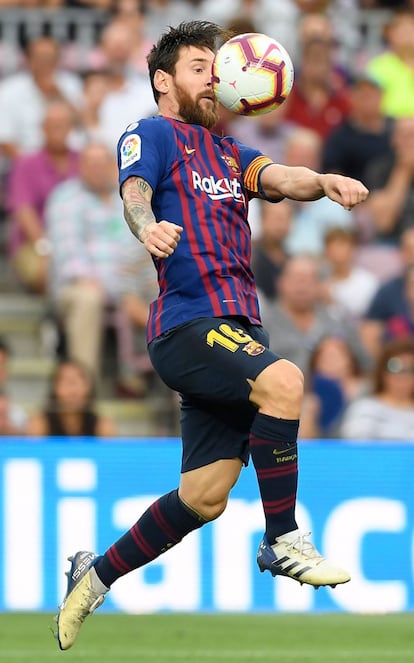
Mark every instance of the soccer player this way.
pixel 185 193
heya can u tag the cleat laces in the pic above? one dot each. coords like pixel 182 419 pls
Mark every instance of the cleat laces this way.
pixel 305 547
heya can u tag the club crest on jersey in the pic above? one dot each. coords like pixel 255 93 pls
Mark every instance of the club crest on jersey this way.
pixel 130 150
pixel 254 348
pixel 231 163
pixel 218 189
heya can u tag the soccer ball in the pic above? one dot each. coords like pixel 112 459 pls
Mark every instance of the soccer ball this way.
pixel 252 74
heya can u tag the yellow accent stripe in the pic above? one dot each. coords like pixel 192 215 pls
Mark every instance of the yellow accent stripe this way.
pixel 251 174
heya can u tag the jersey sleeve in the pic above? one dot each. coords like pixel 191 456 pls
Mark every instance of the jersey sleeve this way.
pixel 142 152
pixel 253 162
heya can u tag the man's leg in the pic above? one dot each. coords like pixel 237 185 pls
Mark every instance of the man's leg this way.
pixel 202 497
pixel 278 392
pixel 82 307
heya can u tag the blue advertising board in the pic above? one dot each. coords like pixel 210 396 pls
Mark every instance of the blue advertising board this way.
pixel 58 497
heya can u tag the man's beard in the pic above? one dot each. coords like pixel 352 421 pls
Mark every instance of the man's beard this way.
pixel 191 111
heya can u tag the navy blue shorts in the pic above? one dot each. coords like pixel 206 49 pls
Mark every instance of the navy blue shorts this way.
pixel 208 361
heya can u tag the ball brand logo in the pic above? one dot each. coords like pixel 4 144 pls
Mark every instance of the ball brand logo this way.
pixel 269 49
pixel 218 189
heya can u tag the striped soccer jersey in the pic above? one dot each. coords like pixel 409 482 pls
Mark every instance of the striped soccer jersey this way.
pixel 203 183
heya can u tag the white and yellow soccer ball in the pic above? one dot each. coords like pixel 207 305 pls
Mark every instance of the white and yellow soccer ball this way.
pixel 252 74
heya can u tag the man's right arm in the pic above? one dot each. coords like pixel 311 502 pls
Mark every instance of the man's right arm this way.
pixel 160 239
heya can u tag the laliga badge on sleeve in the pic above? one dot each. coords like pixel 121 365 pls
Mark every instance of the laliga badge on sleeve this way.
pixel 130 150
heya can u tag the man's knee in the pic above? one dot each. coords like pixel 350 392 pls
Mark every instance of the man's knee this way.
pixel 206 490
pixel 209 507
pixel 278 390
pixel 211 510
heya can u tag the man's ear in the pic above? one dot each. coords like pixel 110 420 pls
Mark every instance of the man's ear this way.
pixel 161 81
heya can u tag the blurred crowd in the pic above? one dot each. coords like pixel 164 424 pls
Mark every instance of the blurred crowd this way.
pixel 336 287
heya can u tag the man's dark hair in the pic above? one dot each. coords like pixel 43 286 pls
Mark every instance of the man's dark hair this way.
pixel 165 53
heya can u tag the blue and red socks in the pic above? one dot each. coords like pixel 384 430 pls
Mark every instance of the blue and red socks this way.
pixel 274 452
pixel 160 527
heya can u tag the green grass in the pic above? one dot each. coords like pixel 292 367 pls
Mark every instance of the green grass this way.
pixel 334 638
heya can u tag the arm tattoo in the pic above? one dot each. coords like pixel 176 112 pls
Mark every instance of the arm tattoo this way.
pixel 137 195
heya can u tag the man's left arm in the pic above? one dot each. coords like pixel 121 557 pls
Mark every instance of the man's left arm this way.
pixel 300 183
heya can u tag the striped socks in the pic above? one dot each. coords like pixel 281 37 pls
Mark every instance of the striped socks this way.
pixel 160 527
pixel 273 448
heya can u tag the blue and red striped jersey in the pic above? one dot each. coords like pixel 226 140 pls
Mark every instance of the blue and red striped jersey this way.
pixel 202 182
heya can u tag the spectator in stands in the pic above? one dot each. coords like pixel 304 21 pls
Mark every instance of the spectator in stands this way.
pixel 162 13
pixel 95 260
pixel 362 137
pixel 132 13
pixel 400 322
pixel 7 426
pixel 394 68
pixel 318 25
pixel 130 96
pixel 268 252
pixel 311 220
pixel 336 378
pixel 112 47
pixel 33 177
pixel 315 24
pixel 14 416
pixel 95 89
pixel 25 95
pixel 390 299
pixel 136 372
pixel 391 182
pixel 298 318
pixel 401 325
pixel 317 101
pixel 70 410
pixel 346 285
pixel 336 20
pixel 388 412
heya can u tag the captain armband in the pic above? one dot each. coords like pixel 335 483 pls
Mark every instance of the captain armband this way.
pixel 252 174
